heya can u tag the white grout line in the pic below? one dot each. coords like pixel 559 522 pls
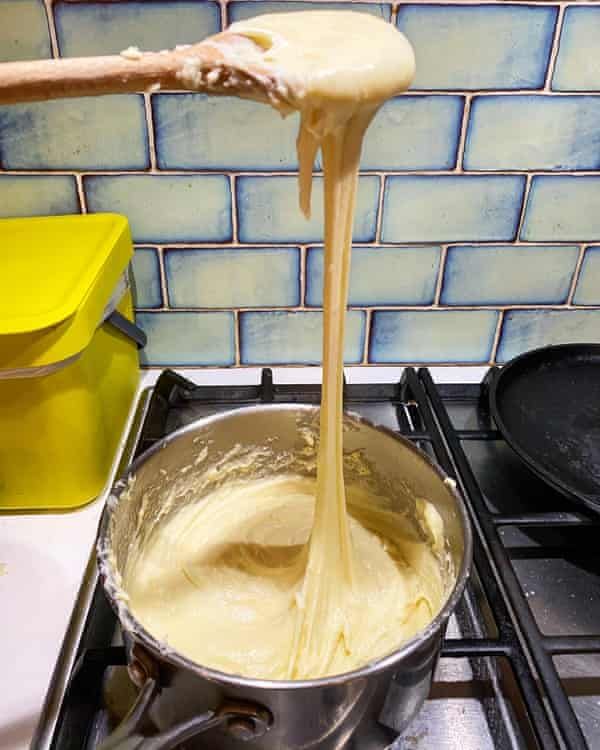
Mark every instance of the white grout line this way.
pixel 163 278
pixel 440 278
pixel 236 337
pixel 234 211
pixel 576 275
pixel 224 15
pixel 303 254
pixel 150 128
pixel 388 245
pixel 368 327
pixel 380 210
pixel 526 192
pixel 392 308
pixel 540 91
pixel 81 194
pixel 274 175
pixel 394 3
pixel 554 49
pixel 52 28
pixel 497 335
pixel 539 3
pixel 462 138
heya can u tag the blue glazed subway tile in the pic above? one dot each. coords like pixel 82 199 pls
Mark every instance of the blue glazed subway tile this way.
pixel 241 10
pixel 508 274
pixel 146 278
pixel 105 28
pixel 37 195
pixel 268 210
pixel 380 276
pixel 578 64
pixel 414 132
pixel 281 337
pixel 24 31
pixel 523 330
pixel 563 208
pixel 188 338
pixel 554 132
pixel 240 277
pixel 194 131
pixel 107 132
pixel 587 291
pixel 452 208
pixel 432 336
pixel 166 208
pixel 501 46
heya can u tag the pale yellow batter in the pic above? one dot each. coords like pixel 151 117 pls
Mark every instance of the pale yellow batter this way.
pixel 251 580
pixel 224 581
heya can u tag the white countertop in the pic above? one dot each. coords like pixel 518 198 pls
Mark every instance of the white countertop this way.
pixel 43 557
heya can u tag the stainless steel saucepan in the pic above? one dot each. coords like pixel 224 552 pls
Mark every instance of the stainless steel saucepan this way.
pixel 190 705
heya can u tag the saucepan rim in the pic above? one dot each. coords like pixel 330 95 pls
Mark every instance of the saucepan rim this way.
pixel 169 654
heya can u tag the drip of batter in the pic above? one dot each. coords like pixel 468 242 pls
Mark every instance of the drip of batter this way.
pixel 303 593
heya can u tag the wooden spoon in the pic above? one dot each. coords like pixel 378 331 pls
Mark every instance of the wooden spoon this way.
pixel 225 63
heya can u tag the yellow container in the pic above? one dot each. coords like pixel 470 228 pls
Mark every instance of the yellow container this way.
pixel 67 374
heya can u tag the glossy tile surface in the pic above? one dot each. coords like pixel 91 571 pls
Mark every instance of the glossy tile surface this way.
pixel 587 291
pixel 380 276
pixel 578 64
pixel 558 133
pixel 491 46
pixel 238 10
pixel 94 133
pixel 240 277
pixel 432 336
pixel 563 208
pixel 188 338
pixel 445 208
pixel 194 131
pixel 146 278
pixel 528 329
pixel 37 195
pixel 294 337
pixel 106 28
pixel 24 33
pixel 414 133
pixel 268 210
pixel 487 275
pixel 181 208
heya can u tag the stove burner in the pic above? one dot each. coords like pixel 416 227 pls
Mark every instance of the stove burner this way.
pixel 521 662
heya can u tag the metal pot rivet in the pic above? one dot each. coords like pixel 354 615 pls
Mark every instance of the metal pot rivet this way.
pixel 241 729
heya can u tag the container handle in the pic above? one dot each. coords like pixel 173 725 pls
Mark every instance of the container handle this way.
pixel 242 721
pixel 131 330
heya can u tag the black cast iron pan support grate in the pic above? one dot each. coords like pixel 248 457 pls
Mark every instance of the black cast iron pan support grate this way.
pixel 424 421
pixel 553 721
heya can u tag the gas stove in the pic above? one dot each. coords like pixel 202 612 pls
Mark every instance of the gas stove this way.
pixel 520 666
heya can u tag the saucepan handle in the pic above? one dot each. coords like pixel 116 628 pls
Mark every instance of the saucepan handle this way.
pixel 243 721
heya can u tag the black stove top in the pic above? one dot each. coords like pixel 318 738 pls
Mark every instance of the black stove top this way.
pixel 521 661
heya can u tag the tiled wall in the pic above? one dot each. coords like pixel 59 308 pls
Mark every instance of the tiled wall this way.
pixel 477 232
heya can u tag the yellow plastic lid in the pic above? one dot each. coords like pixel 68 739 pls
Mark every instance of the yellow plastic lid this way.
pixel 58 274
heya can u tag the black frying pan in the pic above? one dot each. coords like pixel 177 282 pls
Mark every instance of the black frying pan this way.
pixel 546 404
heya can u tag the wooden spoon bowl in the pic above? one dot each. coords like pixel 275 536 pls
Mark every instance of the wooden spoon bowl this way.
pixel 223 64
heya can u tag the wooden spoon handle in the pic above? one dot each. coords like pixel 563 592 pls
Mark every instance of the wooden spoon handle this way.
pixel 84 76
pixel 200 67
